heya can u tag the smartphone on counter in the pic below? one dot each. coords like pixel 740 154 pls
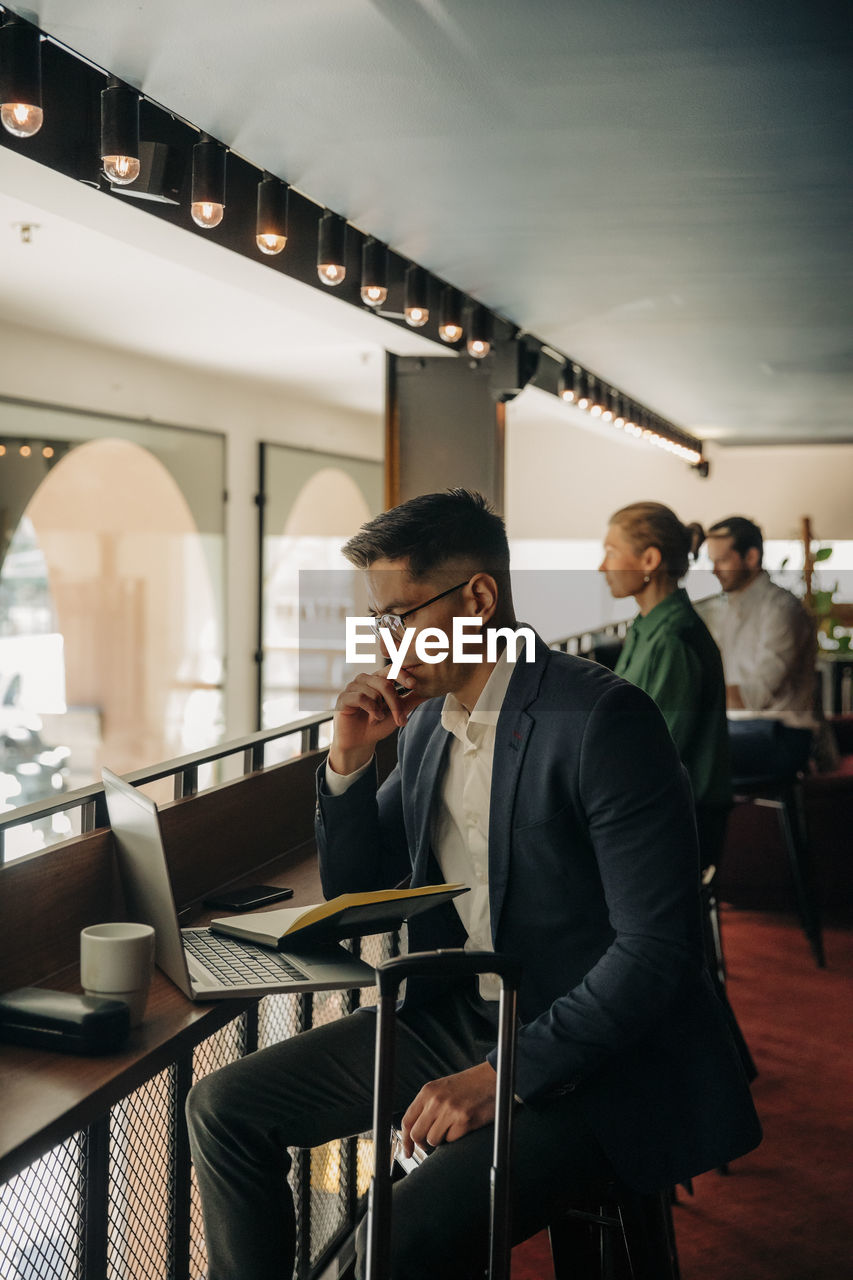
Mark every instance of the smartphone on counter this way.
pixel 246 897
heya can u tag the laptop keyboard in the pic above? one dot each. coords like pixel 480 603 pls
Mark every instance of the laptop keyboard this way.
pixel 235 964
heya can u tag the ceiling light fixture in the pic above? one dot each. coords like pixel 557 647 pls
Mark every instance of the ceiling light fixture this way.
pixel 120 132
pixel 374 273
pixel 271 224
pixel 208 189
pixel 331 249
pixel 607 403
pixel 582 392
pixel 415 304
pixel 479 333
pixel 450 315
pixel 566 389
pixel 20 78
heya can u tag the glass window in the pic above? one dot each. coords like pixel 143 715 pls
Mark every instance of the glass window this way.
pixel 313 503
pixel 111 601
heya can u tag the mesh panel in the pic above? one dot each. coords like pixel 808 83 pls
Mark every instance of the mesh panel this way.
pixel 328 1196
pixel 41 1217
pixel 375 949
pixel 216 1051
pixel 142 1140
pixel 328 1006
pixel 364 1165
pixel 278 1018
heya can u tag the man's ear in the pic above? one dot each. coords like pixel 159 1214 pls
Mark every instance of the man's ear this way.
pixel 752 558
pixel 484 589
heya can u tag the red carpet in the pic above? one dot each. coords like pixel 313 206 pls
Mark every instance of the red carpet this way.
pixel 786 1210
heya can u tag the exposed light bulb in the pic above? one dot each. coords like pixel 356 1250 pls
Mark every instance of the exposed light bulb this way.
pixel 450 315
pixel 583 403
pixel 331 249
pixel 21 118
pixel 47 451
pixel 271 223
pixel 374 273
pixel 207 214
pixel 331 273
pixel 25 451
pixel 121 169
pixel 373 295
pixel 415 307
pixel 417 316
pixel 479 342
pixel 270 243
pixel 450 332
pixel 2 450
pixel 566 383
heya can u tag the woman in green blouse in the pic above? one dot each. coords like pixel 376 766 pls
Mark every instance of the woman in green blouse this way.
pixel 670 653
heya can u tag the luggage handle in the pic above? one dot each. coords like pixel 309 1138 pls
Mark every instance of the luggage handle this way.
pixel 450 962
pixel 453 962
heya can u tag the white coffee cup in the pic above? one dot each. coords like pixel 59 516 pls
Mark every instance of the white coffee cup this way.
pixel 117 960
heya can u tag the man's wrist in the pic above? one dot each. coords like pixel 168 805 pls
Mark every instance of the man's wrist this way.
pixel 346 763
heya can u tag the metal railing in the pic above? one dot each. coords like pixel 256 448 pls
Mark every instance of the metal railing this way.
pixel 119 1198
pixel 89 800
pixel 585 642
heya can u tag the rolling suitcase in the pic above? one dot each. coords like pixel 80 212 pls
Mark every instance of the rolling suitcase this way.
pixel 390 975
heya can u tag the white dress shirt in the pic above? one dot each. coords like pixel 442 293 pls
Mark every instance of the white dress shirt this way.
pixel 767 640
pixel 460 819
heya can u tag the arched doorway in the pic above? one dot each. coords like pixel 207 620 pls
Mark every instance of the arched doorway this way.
pixel 313 504
pixel 134 613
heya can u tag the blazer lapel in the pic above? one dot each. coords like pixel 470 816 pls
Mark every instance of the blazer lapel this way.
pixel 426 782
pixel 514 728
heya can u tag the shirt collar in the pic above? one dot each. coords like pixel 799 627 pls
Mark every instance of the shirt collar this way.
pixel 456 720
pixel 676 603
pixel 743 599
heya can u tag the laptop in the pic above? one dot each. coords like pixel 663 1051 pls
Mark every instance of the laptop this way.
pixel 207 966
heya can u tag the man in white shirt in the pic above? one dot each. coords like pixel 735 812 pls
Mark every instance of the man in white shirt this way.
pixel 767 641
pixel 553 788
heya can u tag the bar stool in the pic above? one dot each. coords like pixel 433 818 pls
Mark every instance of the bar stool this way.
pixel 785 795
pixel 625 1236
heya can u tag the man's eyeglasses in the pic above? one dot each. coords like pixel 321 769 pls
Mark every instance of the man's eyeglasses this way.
pixel 396 622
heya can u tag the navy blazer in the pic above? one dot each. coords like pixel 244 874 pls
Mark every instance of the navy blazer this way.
pixel 594 885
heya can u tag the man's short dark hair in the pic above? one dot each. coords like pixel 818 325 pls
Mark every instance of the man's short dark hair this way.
pixel 432 530
pixel 743 533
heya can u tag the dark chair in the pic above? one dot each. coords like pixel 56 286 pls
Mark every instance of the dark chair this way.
pixel 785 795
pixel 711 826
pixel 625 1236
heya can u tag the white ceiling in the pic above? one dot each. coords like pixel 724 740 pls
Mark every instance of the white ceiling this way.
pixel 102 271
pixel 663 191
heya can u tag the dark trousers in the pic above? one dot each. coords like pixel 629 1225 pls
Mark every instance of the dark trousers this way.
pixel 318 1086
pixel 767 749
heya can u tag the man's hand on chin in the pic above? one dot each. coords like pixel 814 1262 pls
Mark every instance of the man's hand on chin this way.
pixel 448 1108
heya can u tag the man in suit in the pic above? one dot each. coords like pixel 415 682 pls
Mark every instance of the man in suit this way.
pixel 552 788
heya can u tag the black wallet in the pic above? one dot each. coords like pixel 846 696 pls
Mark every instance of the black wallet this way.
pixel 62 1021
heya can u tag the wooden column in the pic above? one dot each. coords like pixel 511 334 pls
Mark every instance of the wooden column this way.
pixel 443 429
